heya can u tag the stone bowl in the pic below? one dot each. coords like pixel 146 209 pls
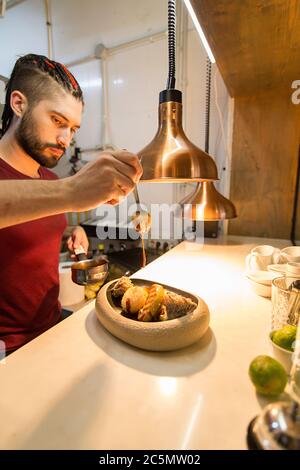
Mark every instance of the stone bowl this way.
pixel 153 336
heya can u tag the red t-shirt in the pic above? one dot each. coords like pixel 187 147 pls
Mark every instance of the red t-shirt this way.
pixel 29 279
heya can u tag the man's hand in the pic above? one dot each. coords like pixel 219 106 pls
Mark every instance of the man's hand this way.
pixel 78 238
pixel 105 180
pixel 108 179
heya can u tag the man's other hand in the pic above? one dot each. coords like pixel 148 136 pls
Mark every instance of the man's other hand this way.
pixel 77 238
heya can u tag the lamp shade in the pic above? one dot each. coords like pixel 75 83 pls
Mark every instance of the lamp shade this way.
pixel 207 204
pixel 171 156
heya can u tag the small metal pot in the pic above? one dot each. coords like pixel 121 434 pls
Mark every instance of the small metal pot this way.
pixel 89 271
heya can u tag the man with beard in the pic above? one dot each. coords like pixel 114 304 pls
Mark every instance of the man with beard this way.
pixel 42 112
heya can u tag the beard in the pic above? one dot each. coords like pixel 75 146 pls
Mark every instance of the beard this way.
pixel 30 142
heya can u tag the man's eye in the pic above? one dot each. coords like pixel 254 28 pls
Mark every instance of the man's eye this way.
pixel 57 121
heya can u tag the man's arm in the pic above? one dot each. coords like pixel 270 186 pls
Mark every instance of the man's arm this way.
pixel 21 201
pixel 105 180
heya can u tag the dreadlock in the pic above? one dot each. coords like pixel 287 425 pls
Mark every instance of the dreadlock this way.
pixel 34 76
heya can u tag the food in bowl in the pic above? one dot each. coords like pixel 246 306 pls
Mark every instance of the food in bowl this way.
pixel 148 304
pixel 121 286
pixel 284 356
pixel 283 344
pixel 154 335
pixel 285 337
pixel 154 304
pixel 134 299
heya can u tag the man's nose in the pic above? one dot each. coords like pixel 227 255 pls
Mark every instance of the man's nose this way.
pixel 64 138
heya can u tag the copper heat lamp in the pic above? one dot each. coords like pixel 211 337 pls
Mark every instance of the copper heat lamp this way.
pixel 170 156
pixel 206 203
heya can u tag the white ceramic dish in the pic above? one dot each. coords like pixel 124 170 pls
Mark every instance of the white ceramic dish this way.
pixel 153 336
pixel 277 268
pixel 282 355
pixel 293 269
pixel 260 289
pixel 261 282
pixel 262 277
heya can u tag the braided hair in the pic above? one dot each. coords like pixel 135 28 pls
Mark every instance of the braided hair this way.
pixel 35 76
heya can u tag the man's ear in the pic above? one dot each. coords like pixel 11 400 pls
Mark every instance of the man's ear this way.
pixel 18 103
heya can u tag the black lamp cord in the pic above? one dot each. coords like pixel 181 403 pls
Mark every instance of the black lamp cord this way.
pixel 207 113
pixel 171 43
pixel 295 205
pixel 207 103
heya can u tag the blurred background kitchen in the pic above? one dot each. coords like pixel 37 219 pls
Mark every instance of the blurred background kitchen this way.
pixel 118 52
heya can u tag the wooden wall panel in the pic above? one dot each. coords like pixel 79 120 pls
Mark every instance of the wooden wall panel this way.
pixel 297 231
pixel 266 139
pixel 257 49
pixel 255 43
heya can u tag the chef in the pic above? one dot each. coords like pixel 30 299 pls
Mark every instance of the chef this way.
pixel 42 113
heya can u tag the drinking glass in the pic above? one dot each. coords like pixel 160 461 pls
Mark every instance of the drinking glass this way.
pixel 285 302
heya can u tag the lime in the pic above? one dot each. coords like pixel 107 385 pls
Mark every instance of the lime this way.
pixel 267 375
pixel 285 337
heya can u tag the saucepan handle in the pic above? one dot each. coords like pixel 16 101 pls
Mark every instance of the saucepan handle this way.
pixel 80 254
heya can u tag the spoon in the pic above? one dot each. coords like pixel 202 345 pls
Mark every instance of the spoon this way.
pixel 141 219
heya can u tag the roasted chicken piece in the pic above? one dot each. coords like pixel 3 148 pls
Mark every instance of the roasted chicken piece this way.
pixel 177 305
pixel 153 303
pixel 134 299
pixel 121 286
pixel 163 314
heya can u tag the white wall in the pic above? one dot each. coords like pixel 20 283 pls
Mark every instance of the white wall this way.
pixel 22 30
pixel 135 77
pixel 78 26
pixel 220 142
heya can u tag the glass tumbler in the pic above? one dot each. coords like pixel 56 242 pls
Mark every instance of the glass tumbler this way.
pixel 285 302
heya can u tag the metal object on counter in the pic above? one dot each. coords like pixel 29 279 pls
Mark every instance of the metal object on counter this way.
pixel 276 428
pixel 89 271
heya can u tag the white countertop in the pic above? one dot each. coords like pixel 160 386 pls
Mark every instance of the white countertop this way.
pixel 78 387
